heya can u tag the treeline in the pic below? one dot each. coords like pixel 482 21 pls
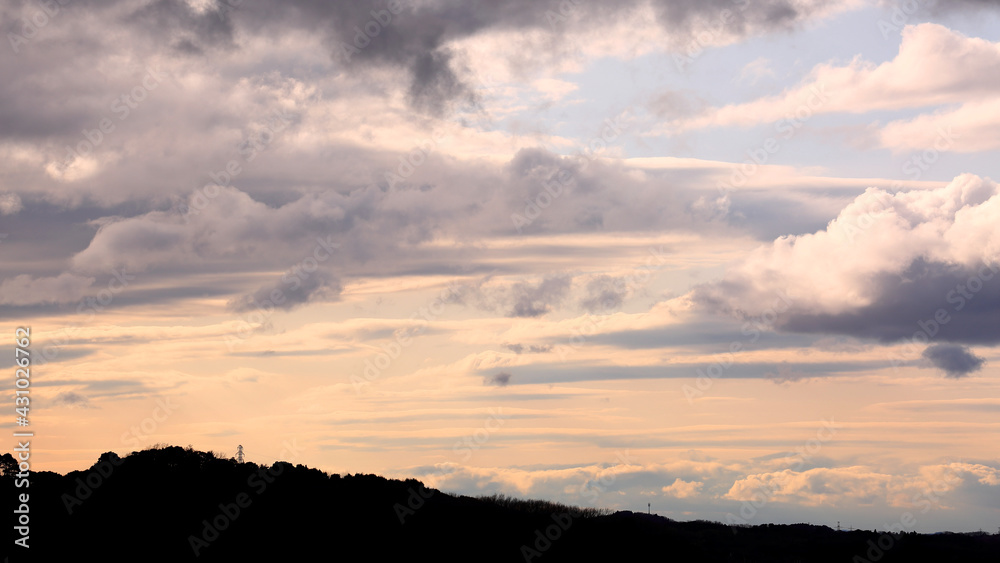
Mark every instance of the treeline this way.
pixel 179 504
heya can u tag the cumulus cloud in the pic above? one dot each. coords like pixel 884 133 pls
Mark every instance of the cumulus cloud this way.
pixel 954 360
pixel 887 263
pixel 819 486
pixel 683 489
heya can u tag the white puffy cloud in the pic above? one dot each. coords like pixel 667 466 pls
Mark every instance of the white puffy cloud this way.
pixel 819 486
pixel 970 127
pixel 683 489
pixel 883 255
pixel 935 66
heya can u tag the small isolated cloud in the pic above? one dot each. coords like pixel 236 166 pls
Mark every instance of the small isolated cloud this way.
pixel 683 489
pixel 74 400
pixel 785 374
pixel 955 360
pixel 501 379
pixel 755 70
pixel 530 349
pixel 9 204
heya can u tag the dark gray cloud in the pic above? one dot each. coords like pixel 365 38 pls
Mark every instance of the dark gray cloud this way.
pixel 412 37
pixel 955 360
pixel 518 299
pixel 293 289
pixel 578 371
pixel 528 349
pixel 126 212
pixel 72 399
pixel 177 24
pixel 706 335
pixel 501 379
pixel 533 300
pixel 605 294
pixel 928 301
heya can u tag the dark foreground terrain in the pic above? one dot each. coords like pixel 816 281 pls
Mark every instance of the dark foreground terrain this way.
pixel 176 504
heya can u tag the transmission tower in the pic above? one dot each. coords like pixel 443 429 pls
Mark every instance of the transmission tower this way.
pixel 239 454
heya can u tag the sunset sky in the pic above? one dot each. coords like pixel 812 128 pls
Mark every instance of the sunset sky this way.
pixel 736 259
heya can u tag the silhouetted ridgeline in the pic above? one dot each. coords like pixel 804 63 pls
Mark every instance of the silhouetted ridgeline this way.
pixel 176 504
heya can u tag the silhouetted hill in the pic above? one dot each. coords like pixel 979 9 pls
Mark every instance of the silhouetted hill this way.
pixel 176 504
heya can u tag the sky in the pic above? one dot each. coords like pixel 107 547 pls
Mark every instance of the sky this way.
pixel 731 260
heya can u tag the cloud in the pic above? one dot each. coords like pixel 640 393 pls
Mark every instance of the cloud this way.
pixel 819 486
pixel 755 70
pixel 683 489
pixel 10 204
pixel 970 127
pixel 605 294
pixel 501 379
pixel 934 66
pixel 293 289
pixel 72 399
pixel 533 300
pixel 884 265
pixel 785 374
pixel 518 299
pixel 27 290
pixel 956 361
pixel 531 349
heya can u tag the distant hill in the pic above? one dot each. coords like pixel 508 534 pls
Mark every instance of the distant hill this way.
pixel 177 504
